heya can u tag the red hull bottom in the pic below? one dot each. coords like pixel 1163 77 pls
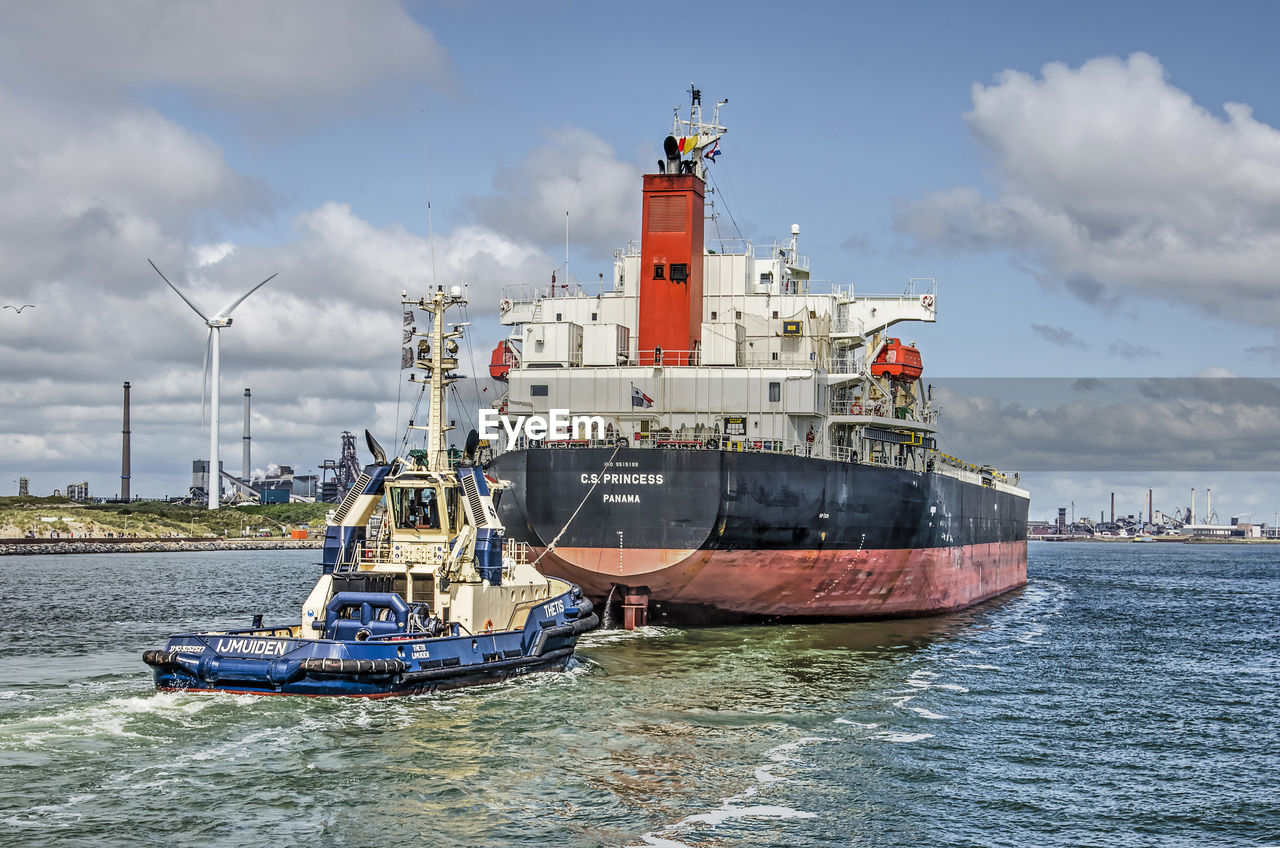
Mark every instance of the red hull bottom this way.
pixel 845 584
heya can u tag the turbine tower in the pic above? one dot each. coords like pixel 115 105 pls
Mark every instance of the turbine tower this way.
pixel 213 348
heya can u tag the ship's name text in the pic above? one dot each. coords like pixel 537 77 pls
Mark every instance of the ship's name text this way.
pixel 624 479
pixel 252 646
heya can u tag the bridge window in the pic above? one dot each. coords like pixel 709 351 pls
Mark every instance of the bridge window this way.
pixel 538 390
pixel 416 508
pixel 775 392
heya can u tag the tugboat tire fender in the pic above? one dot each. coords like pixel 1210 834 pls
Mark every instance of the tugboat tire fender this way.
pixel 158 658
pixel 583 605
pixel 453 671
pixel 573 628
pixel 352 668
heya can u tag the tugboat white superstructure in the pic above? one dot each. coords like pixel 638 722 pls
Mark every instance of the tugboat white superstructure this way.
pixel 419 589
pixel 775 447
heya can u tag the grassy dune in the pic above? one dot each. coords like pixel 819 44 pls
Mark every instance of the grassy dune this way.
pixel 152 518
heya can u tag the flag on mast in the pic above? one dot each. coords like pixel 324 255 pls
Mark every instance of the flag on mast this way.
pixel 639 398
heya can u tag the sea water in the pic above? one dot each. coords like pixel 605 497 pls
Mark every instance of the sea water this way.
pixel 1127 696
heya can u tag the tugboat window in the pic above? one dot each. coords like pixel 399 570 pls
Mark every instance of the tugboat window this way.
pixel 416 508
pixel 657 271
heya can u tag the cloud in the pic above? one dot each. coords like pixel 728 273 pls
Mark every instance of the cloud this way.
pixel 578 172
pixel 93 182
pixel 1113 183
pixel 1060 336
pixel 1212 422
pixel 1131 350
pixel 89 198
pixel 236 52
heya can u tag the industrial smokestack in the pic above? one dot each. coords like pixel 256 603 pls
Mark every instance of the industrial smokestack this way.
pixel 1208 506
pixel 124 454
pixel 1151 510
pixel 247 467
pixel 1113 507
pixel 1193 506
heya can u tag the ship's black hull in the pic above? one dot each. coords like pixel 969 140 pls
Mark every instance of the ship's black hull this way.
pixel 720 535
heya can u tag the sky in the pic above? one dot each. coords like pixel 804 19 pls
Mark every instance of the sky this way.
pixel 1095 186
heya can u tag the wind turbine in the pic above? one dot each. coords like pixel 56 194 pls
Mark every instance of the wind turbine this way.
pixel 212 352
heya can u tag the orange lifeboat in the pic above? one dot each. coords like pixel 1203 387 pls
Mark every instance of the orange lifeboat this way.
pixel 898 362
pixel 504 356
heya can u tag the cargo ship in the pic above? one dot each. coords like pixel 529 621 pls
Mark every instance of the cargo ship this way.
pixel 753 444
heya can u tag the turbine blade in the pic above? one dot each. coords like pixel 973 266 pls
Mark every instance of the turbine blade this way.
pixel 227 310
pixel 204 374
pixel 189 301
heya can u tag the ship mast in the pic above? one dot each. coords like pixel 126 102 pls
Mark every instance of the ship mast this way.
pixel 437 357
pixel 696 138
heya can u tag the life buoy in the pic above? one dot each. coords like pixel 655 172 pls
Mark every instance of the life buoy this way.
pixel 505 304
pixel 502 408
pixel 488 625
pixel 855 409
pixel 926 300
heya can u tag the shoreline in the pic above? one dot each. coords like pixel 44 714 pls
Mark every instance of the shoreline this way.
pixel 1181 540
pixel 20 547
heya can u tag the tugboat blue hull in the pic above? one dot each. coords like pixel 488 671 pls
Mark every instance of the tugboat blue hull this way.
pixel 267 661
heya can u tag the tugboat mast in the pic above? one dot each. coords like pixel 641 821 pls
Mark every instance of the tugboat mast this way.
pixel 438 357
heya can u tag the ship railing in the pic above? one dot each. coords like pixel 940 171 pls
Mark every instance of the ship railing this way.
pixel 662 357
pixel 729 246
pixel 711 440
pixel 848 326
pixel 722 246
pixel 526 293
pixel 518 552
pixel 855 407
pixel 778 250
pixel 369 552
pixel 844 365
pixel 775 359
pixel 916 288
pixel 877 410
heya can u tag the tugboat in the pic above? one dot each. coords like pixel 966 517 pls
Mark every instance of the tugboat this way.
pixel 419 592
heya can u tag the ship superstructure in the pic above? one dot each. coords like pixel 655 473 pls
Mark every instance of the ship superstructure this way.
pixel 709 361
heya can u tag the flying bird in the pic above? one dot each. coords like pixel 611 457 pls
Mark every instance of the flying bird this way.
pixel 19 308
